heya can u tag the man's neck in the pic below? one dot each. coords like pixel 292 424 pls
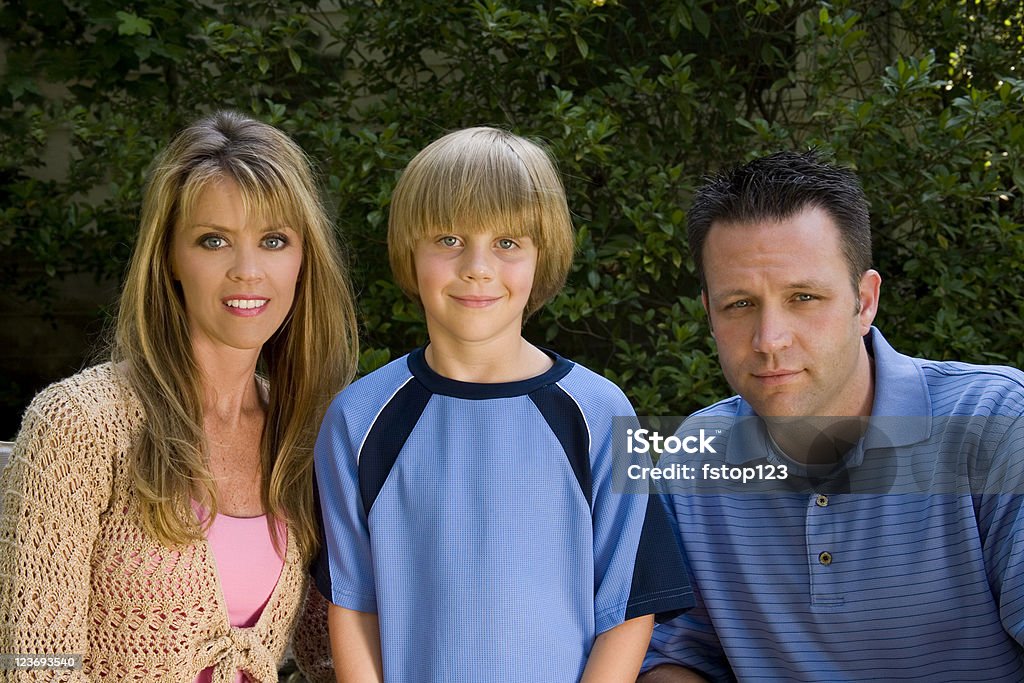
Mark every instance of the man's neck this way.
pixel 816 441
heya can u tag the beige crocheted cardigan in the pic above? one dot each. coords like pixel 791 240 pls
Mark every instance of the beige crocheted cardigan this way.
pixel 78 575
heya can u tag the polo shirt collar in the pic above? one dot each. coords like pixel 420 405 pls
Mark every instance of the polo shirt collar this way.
pixel 900 391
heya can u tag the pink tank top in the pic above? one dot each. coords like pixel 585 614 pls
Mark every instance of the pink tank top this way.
pixel 248 566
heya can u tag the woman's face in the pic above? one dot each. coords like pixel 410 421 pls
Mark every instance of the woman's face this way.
pixel 238 272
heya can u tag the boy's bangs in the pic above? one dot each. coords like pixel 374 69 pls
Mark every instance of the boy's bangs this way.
pixel 489 199
pixel 513 223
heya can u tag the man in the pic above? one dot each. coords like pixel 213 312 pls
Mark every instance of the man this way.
pixel 893 549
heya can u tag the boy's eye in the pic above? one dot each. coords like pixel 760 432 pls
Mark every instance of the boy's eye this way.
pixel 506 243
pixel 212 241
pixel 449 241
pixel 275 242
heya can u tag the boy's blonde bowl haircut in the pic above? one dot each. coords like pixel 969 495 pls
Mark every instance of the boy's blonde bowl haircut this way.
pixel 310 357
pixel 480 179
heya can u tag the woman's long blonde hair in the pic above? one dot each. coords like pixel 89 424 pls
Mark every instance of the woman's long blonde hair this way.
pixel 310 358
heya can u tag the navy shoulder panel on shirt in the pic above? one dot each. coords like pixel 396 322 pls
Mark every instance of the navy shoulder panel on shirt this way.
pixel 386 438
pixel 566 420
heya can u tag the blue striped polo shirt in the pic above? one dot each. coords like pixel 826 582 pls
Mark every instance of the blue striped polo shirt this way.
pixel 914 571
pixel 480 522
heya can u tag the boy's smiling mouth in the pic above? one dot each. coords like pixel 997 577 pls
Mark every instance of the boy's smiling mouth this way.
pixel 476 300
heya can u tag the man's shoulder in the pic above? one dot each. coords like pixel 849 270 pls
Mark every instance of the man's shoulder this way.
pixel 955 386
pixel 956 371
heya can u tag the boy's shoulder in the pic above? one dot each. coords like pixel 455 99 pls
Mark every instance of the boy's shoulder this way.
pixel 375 388
pixel 591 390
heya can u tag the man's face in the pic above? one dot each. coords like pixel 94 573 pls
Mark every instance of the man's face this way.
pixel 786 319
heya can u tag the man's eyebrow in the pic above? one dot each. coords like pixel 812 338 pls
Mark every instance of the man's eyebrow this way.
pixel 818 285
pixel 729 293
pixel 812 285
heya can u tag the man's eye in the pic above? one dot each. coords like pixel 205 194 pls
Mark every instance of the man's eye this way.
pixel 805 297
pixel 742 303
pixel 212 241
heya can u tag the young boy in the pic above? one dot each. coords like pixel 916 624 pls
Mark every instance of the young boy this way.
pixel 472 533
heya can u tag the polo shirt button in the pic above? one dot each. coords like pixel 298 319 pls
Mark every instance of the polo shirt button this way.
pixel 821 500
pixel 825 558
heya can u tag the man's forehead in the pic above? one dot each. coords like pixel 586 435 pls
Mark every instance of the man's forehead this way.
pixel 809 214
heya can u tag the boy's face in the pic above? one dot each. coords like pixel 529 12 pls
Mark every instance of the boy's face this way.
pixel 474 287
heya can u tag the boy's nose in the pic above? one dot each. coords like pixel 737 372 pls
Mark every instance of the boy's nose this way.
pixel 476 264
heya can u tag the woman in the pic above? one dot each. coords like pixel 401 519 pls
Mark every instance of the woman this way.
pixel 157 514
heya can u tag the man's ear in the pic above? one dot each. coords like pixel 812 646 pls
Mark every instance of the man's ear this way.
pixel 707 310
pixel 867 298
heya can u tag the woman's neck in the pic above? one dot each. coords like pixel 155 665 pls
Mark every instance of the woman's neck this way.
pixel 230 391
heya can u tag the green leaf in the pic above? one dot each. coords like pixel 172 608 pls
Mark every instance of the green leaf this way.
pixel 295 59
pixel 1018 178
pixel 131 24
pixel 582 46
pixel 701 22
pixel 263 64
pixel 551 51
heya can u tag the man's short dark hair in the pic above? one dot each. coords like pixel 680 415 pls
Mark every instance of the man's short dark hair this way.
pixel 777 187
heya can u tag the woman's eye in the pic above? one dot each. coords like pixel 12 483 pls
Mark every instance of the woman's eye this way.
pixel 275 242
pixel 212 241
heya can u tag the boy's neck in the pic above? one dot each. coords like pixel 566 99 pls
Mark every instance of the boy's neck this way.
pixel 488 363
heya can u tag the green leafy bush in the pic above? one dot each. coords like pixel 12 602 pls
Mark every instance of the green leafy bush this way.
pixel 637 102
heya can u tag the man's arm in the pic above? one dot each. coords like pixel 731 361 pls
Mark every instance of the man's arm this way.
pixel 670 673
pixel 618 652
pixel 355 645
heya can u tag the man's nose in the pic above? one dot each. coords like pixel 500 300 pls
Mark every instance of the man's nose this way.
pixel 773 332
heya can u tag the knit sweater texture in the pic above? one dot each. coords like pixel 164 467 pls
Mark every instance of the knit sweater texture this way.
pixel 79 575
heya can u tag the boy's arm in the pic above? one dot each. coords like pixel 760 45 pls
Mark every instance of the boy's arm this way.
pixel 355 645
pixel 618 652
